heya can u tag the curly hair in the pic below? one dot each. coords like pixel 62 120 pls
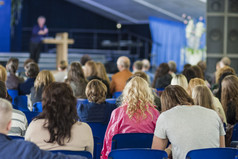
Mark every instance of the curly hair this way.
pixel 44 78
pixel 138 97
pixel 59 112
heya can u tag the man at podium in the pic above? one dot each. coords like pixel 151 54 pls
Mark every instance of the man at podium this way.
pixel 39 31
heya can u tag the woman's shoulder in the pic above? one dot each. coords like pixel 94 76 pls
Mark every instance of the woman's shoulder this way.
pixel 82 126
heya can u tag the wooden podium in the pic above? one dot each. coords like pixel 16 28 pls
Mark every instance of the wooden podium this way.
pixel 61 40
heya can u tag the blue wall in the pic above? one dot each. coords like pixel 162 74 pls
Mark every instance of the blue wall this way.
pixel 5 25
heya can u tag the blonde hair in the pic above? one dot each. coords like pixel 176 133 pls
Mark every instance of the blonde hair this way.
pixel 96 91
pixel 223 70
pixel 44 78
pixel 3 73
pixel 193 83
pixel 180 80
pixel 90 69
pixel 138 97
pixel 203 96
pixel 5 113
pixel 101 72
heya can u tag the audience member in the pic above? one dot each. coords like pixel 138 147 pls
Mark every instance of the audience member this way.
pixel 61 74
pixel 137 66
pixel 186 66
pixel 154 91
pixel 203 67
pixel 19 122
pixel 172 68
pixel 146 68
pixel 182 124
pixel 198 72
pixel 43 79
pixel 162 76
pixel 12 80
pixel 91 73
pixel 225 61
pixel 180 80
pixel 217 104
pixel 31 71
pixel 97 110
pixel 84 59
pixel 57 127
pixel 229 98
pixel 189 73
pixel 20 148
pixel 136 115
pixel 77 80
pixel 119 79
pixel 3 73
pixel 101 72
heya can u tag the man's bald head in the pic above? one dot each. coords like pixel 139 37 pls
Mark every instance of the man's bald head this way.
pixel 123 63
pixel 5 115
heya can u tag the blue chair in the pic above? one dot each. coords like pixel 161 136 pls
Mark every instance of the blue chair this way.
pixel 97 147
pixel 13 93
pixel 116 94
pixel 16 137
pixel 235 133
pixel 30 115
pixel 20 103
pixel 74 153
pixel 111 100
pixel 37 107
pixel 138 154
pixel 216 153
pixel 132 140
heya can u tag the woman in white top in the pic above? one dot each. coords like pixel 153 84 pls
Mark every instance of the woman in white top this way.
pixel 57 127
pixel 185 125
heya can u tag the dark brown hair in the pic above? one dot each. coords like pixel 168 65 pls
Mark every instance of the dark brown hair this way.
pixel 198 71
pixel 12 65
pixel 174 95
pixel 75 73
pixel 32 69
pixel 59 111
pixel 162 70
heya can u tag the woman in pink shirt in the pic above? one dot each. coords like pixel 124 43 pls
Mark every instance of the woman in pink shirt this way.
pixel 137 114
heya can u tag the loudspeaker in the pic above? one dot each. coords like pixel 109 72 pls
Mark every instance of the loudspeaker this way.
pixel 215 6
pixel 232 35
pixel 233 6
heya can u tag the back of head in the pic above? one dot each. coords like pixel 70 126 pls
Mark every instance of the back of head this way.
pixel 198 71
pixel 146 64
pixel 123 62
pixel 12 65
pixel 84 59
pixel 59 109
pixel 63 65
pixel 101 72
pixel 162 70
pixel 140 74
pixel 174 95
pixel 225 61
pixel 203 96
pixel 5 115
pixel 138 65
pixel 189 73
pixel 138 97
pixel 96 91
pixel 90 69
pixel 202 65
pixel 3 73
pixel 229 92
pixel 180 80
pixel 3 90
pixel 193 83
pixel 75 72
pixel 172 66
pixel 32 69
pixel 44 78
pixel 186 66
pixel 221 71
pixel 27 61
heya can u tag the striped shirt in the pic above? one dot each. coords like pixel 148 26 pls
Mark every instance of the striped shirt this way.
pixel 19 123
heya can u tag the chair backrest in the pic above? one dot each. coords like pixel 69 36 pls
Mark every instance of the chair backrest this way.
pixel 74 153
pixel 98 129
pixel 13 93
pixel 20 103
pixel 138 154
pixel 16 137
pixel 216 153
pixel 116 94
pixel 30 115
pixel 132 140
pixel 98 143
pixel 235 133
pixel 111 100
pixel 37 107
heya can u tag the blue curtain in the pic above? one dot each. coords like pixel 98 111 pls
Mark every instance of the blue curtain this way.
pixel 168 41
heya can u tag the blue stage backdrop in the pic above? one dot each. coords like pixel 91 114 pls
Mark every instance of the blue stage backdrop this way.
pixel 5 25
pixel 169 41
